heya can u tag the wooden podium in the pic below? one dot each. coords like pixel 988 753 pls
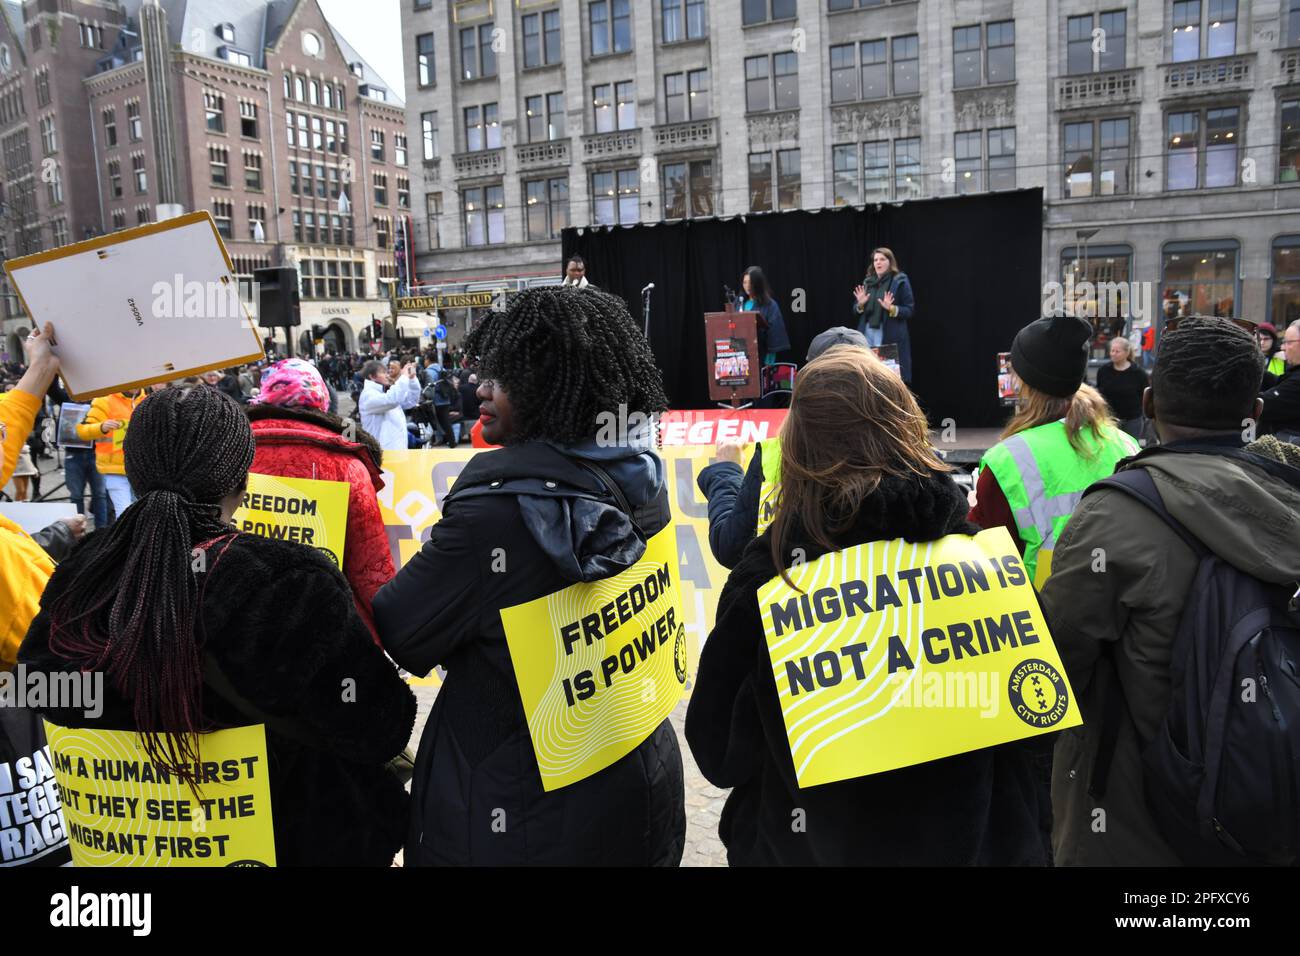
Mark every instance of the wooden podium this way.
pixel 732 357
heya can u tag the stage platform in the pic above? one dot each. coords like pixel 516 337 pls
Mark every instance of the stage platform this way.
pixel 968 445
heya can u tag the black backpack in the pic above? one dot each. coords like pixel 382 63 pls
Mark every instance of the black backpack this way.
pixel 1221 775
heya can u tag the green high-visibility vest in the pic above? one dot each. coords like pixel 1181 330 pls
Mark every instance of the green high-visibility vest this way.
pixel 767 492
pixel 1043 479
pixel 1276 366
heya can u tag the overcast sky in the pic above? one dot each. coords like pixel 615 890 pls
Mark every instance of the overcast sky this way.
pixel 374 27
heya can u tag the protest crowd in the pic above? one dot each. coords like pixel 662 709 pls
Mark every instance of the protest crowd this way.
pixel 1183 481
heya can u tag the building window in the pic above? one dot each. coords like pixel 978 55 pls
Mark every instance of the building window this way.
pixel 381 189
pixel 485 215
pixel 1097 158
pixel 1216 19
pixel 433 213
pixel 377 145
pixel 115 178
pixel 1002 158
pixel 110 128
pixel 429 135
pixel 119 220
pixel 544 116
pixel 688 189
pixel 49 136
pixel 541 39
pixel 907 59
pixel 873 59
pixel 969 162
pixel 223 213
pixel 907 168
pixel 1288 159
pixel 1208 160
pixel 610 23
pixel 60 232
pixel 789 180
pixel 42 87
pixel 686 96
pixel 383 232
pixel 546 206
pixel 1001 66
pixel 247 119
pixel 92 36
pixel 253 171
pixel 256 220
pixel 399 149
pixel 424 59
pixel 967 67
pixel 616 197
pixel 760 182
pixel 1284 286
pixel 1200 278
pixel 781 92
pixel 675 97
pixel 403 192
pixel 621 112
pixel 482 127
pixel 219 165
pixel 477 58
pixel 54 186
pixel 135 129
pixel 141 178
pixel 1293 24
pixel 682 20
pixel 761 11
pixel 214 108
pixel 1110 39
pixel 844 160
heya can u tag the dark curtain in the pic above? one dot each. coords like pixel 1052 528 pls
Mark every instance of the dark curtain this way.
pixel 975 263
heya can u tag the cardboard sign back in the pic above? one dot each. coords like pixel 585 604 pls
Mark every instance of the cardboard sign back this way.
pixel 142 306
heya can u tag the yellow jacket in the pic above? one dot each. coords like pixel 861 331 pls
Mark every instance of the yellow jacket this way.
pixel 18 412
pixel 109 458
pixel 24 569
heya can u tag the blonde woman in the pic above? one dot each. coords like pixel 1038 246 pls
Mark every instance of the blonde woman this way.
pixel 1061 439
pixel 1122 383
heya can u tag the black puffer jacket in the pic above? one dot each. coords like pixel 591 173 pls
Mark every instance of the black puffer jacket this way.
pixel 281 626
pixel 978 808
pixel 477 797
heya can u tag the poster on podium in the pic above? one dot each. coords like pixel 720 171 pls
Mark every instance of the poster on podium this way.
pixel 733 363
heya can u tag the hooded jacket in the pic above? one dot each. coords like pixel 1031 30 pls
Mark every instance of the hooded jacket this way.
pixel 553 523
pixel 109 456
pixel 978 808
pixel 303 443
pixel 278 621
pixel 1120 625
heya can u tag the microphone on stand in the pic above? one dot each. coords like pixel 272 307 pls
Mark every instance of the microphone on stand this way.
pixel 648 289
pixel 645 294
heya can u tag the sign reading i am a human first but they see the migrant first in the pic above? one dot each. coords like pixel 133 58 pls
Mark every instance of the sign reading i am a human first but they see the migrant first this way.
pixel 310 512
pixel 893 653
pixel 600 665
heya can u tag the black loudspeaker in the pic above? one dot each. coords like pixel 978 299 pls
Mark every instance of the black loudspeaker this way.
pixel 279 304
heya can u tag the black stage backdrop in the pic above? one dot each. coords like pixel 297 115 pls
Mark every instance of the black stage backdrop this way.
pixel 975 263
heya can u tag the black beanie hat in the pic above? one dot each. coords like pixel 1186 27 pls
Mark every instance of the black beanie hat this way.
pixel 1051 354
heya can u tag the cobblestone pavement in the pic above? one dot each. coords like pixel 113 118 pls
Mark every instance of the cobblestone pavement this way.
pixel 703 801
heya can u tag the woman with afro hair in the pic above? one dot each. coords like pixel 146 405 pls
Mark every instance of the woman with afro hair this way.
pixel 552 507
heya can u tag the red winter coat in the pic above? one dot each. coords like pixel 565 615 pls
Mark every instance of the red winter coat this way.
pixel 299 443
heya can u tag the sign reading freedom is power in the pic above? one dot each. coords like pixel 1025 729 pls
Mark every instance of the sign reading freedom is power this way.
pixel 310 512
pixel 600 665
pixel 892 653
pixel 123 810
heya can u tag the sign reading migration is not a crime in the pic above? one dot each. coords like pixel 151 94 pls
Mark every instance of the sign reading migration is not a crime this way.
pixel 310 512
pixel 600 665
pixel 893 653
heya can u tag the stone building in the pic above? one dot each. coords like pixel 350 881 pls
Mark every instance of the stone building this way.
pixel 1164 133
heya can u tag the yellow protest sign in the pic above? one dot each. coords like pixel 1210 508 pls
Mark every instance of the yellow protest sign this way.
pixel 123 810
pixel 600 665
pixel 314 513
pixel 416 482
pixel 894 653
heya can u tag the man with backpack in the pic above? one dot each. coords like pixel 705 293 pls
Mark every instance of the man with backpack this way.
pixel 1172 605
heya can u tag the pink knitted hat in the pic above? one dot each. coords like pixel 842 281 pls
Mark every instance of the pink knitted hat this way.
pixel 293 383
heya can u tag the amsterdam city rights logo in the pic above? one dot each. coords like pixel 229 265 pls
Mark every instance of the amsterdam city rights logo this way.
pixel 1038 693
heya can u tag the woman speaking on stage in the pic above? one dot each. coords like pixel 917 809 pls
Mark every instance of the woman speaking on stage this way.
pixel 885 305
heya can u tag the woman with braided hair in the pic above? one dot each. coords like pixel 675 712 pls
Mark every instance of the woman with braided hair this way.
pixel 197 628
pixel 561 502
